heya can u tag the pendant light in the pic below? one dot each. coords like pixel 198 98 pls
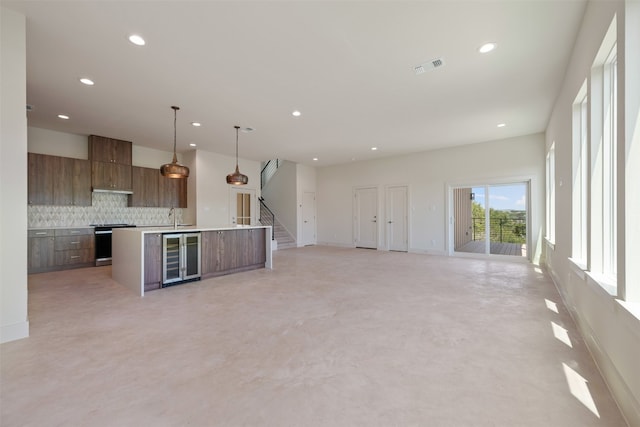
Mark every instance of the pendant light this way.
pixel 237 178
pixel 174 169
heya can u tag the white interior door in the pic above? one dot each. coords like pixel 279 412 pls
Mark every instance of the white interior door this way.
pixel 366 218
pixel 242 206
pixel 397 207
pixel 308 218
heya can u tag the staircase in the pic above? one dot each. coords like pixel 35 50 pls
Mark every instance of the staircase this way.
pixel 282 236
pixel 283 239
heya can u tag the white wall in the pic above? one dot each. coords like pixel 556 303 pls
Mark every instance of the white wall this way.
pixel 212 190
pixel 14 323
pixel 427 175
pixel 53 143
pixel 281 196
pixel 609 327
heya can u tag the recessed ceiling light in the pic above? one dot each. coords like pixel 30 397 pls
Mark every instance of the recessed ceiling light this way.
pixel 247 130
pixel 86 81
pixel 196 124
pixel 192 144
pixel 374 148
pixel 296 113
pixel 315 159
pixel 501 125
pixel 137 40
pixel 487 47
pixel 63 116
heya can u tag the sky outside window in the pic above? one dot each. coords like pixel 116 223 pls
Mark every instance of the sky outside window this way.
pixel 503 197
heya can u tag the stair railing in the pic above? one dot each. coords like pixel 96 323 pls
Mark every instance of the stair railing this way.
pixel 268 170
pixel 267 217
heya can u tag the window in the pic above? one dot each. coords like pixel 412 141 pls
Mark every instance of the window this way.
pixel 551 193
pixel 603 186
pixel 580 183
pixel 610 182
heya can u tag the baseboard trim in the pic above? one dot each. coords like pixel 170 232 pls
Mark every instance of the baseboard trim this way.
pixel 14 332
pixel 622 395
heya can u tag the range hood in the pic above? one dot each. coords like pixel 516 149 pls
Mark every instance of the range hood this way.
pixel 106 190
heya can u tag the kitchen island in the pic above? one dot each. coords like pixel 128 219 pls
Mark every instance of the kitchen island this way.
pixel 142 258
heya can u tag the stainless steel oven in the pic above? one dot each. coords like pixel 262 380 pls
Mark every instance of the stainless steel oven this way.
pixel 103 234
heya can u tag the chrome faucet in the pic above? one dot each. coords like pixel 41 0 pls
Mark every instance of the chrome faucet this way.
pixel 175 217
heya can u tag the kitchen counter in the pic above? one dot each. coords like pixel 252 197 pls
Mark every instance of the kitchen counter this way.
pixel 128 263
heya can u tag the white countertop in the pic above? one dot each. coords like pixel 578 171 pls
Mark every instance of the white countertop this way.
pixel 181 228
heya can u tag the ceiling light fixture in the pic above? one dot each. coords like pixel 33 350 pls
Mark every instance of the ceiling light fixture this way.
pixel 192 145
pixel 501 125
pixel 237 178
pixel 196 124
pixel 137 40
pixel 63 116
pixel 374 148
pixel 174 169
pixel 315 159
pixel 487 47
pixel 296 113
pixel 86 81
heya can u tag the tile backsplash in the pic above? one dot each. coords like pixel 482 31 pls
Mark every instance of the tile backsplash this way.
pixel 106 208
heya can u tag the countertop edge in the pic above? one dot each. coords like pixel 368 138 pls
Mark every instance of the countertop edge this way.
pixel 186 229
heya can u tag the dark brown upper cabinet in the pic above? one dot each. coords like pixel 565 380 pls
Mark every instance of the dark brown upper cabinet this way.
pixel 110 164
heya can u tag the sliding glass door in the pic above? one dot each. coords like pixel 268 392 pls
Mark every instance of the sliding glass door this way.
pixel 491 219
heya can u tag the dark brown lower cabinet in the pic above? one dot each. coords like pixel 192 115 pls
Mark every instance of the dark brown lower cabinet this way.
pixel 60 249
pixel 152 261
pixel 41 255
pixel 232 251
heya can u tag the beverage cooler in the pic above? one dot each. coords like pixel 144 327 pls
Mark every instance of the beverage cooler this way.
pixel 180 258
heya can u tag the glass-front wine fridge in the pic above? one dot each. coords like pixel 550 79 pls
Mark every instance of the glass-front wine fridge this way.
pixel 180 258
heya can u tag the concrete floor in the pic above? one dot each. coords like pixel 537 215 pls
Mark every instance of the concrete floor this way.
pixel 330 337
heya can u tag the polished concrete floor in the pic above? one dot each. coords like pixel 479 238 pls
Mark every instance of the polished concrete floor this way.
pixel 330 337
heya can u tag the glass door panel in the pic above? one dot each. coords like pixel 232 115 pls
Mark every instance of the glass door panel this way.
pixel 171 257
pixel 469 217
pixel 508 219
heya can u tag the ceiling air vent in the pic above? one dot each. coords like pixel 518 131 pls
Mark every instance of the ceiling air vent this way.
pixel 429 66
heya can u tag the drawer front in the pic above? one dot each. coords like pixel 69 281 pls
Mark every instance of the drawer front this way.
pixel 65 243
pixel 79 256
pixel 41 233
pixel 73 231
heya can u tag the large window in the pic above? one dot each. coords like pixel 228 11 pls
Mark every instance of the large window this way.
pixel 604 183
pixel 603 155
pixel 551 193
pixel 580 182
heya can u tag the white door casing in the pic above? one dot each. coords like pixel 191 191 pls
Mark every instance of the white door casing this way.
pixel 242 206
pixel 366 217
pixel 397 208
pixel 308 218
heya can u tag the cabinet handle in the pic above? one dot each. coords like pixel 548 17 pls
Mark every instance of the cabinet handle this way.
pixel 75 256
pixel 41 233
pixel 74 243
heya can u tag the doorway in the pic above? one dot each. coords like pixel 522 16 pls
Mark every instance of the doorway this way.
pixel 308 218
pixel 491 219
pixel 366 217
pixel 397 208
pixel 242 203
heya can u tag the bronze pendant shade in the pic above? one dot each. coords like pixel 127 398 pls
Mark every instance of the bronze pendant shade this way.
pixel 174 169
pixel 237 178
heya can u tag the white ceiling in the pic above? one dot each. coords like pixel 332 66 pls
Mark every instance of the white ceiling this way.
pixel 346 65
